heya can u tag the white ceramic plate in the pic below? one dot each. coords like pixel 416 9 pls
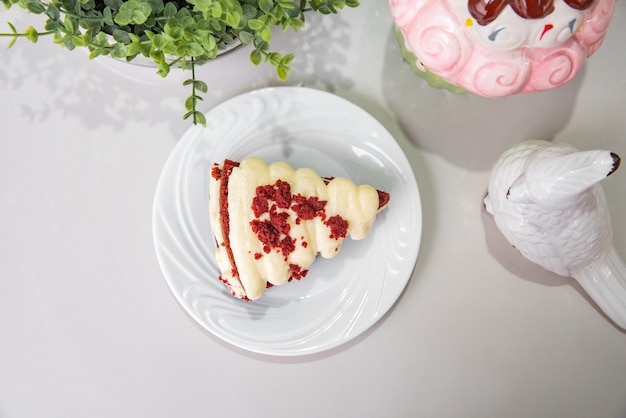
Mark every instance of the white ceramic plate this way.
pixel 339 298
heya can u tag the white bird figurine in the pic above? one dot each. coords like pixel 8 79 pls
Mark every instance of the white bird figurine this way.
pixel 546 201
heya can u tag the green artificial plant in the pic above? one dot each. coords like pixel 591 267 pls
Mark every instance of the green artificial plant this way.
pixel 172 33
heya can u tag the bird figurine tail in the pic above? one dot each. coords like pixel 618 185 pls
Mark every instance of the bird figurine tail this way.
pixel 605 282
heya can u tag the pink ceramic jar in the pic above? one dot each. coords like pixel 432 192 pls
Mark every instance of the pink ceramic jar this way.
pixel 497 48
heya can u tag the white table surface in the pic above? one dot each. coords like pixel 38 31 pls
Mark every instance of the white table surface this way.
pixel 89 328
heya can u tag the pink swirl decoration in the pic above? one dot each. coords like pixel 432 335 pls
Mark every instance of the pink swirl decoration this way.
pixel 438 51
pixel 592 33
pixel 555 66
pixel 439 47
pixel 438 37
pixel 500 77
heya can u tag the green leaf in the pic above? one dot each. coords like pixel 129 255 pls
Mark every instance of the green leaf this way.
pixel 12 27
pixel 119 51
pixel 173 29
pixel 140 15
pixel 68 4
pixel 246 37
pixel 95 53
pixel 145 48
pixel 107 16
pixel 256 57
pixel 113 4
pixel 232 19
pixel 190 49
pixel 133 12
pixel 209 44
pixel 159 41
pixel 190 104
pixel 31 34
pixel 156 6
pixel 182 13
pixel 287 59
pixel 78 40
pixel 101 39
pixel 265 33
pixel 53 25
pixel 255 24
pixel 164 69
pixel 274 58
pixel 121 36
pixel 199 118
pixel 69 25
pixel 192 101
pixel 296 24
pixel 282 72
pixel 53 12
pixel 201 86
pixel 248 11
pixel 69 44
pixel 134 48
pixel 12 42
pixel 35 7
pixel 266 5
pixel 170 10
pixel 123 17
pixel 215 10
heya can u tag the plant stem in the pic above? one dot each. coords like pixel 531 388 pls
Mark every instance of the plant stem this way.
pixel 15 35
pixel 193 88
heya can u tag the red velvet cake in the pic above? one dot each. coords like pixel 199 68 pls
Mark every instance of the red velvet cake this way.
pixel 270 221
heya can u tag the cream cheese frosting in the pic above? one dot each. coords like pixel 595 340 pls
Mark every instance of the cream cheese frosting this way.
pixel 280 219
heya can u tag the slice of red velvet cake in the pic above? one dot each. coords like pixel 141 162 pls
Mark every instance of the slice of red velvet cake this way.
pixel 271 221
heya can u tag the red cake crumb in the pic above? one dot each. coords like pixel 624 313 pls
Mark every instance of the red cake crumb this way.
pixel 308 208
pixel 279 193
pixel 260 205
pixel 287 246
pixel 216 173
pixel 338 227
pixel 282 197
pixel 274 233
pixel 297 272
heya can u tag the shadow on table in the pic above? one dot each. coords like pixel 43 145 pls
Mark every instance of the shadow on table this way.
pixel 112 93
pixel 102 92
pixel 518 265
pixel 469 130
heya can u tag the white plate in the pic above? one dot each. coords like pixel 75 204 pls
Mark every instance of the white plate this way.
pixel 339 298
